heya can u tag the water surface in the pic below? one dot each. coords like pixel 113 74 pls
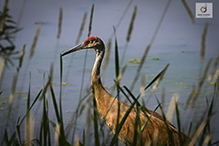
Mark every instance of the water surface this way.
pixel 178 43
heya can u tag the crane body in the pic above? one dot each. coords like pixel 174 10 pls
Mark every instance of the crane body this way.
pixel 107 106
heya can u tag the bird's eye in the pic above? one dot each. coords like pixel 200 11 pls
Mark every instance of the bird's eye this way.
pixel 91 42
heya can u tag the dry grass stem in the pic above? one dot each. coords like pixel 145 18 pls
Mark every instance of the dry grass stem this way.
pixel 60 23
pixel 32 49
pixel 129 33
pixel 213 69
pixel 188 11
pixel 131 25
pixel 57 133
pixel 2 64
pixel 201 82
pixel 160 78
pixel 142 91
pixel 172 107
pixel 77 141
pixel 108 50
pixel 21 57
pixel 140 66
pixel 15 78
pixel 197 133
pixel 155 137
pixel 2 21
pixel 207 139
pixel 191 95
pixel 91 19
pixel 163 97
pixel 148 143
pixel 216 75
pixel 29 130
pixel 81 28
pixel 160 22
pixel 122 16
pixel 119 77
pixel 50 77
pixel 157 83
pixel 14 82
pixel 203 45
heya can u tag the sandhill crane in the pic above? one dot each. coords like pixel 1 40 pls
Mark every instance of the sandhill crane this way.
pixel 107 106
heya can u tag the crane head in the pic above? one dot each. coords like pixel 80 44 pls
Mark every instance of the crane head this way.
pixel 91 42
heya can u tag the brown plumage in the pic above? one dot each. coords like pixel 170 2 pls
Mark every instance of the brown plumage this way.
pixel 107 105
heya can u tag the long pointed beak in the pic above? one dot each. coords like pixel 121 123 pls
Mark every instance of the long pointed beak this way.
pixel 79 47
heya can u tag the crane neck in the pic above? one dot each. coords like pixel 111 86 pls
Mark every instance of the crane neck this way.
pixel 97 65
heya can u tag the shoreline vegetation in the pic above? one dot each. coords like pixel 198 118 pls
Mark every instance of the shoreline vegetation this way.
pixel 57 131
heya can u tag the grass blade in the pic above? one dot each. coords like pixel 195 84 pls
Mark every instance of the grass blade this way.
pixel 158 80
pixel 28 124
pixel 127 97
pixel 215 143
pixel 133 97
pixel 178 123
pixel 96 133
pixel 84 137
pixel 6 139
pixel 157 76
pixel 48 82
pixel 55 105
pixel 166 124
pixel 83 74
pixel 44 123
pixel 116 56
pixel 190 128
pixel 145 124
pixel 114 139
pixel 35 100
pixel 137 126
pixel 118 81
pixel 60 98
